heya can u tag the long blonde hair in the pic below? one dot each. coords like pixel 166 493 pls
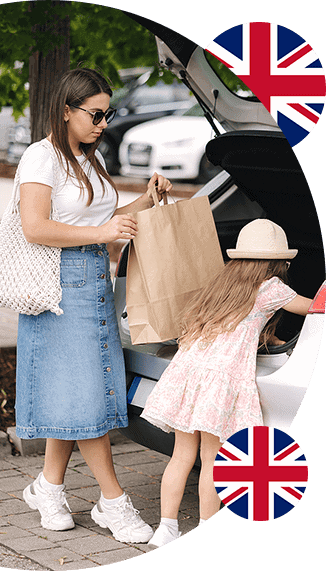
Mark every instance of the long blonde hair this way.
pixel 228 299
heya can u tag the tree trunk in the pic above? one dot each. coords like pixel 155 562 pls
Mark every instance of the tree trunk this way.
pixel 46 68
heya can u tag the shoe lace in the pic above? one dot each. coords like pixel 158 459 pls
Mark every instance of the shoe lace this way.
pixel 56 502
pixel 129 512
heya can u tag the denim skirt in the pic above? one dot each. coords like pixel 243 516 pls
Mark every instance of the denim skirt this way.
pixel 70 379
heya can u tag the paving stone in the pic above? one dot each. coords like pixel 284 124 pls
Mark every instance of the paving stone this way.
pixel 27 544
pixel 131 479
pixel 15 483
pixel 61 536
pixel 91 494
pixel 51 558
pixel 133 458
pixel 125 447
pixel 92 544
pixel 141 502
pixel 116 556
pixel 85 520
pixel 10 473
pixel 80 564
pixel 76 480
pixel 5 465
pixel 79 505
pixel 186 525
pixel 9 559
pixel 25 520
pixel 149 491
pixel 154 469
pixel 9 507
pixel 12 532
pixel 27 461
pixel 151 515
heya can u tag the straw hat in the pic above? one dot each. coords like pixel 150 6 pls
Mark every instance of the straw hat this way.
pixel 262 239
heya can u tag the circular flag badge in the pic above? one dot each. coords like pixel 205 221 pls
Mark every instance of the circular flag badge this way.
pixel 260 473
pixel 281 70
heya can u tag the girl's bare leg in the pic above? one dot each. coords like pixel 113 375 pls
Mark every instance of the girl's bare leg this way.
pixel 97 453
pixel 209 502
pixel 177 471
pixel 57 454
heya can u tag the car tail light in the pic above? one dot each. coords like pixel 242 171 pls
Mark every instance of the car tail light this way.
pixel 318 304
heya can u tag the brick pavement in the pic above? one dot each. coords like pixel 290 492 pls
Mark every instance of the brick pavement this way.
pixel 24 544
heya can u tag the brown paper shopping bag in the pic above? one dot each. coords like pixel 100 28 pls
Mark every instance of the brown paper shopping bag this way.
pixel 175 253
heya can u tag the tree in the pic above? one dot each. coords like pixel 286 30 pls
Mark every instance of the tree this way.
pixel 38 38
pixel 46 66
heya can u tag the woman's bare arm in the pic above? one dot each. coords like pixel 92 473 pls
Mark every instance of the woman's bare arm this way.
pixel 35 207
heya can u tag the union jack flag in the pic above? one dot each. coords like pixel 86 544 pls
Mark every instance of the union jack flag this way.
pixel 260 473
pixel 280 68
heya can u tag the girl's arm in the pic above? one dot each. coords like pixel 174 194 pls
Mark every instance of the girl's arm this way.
pixel 298 305
pixel 35 207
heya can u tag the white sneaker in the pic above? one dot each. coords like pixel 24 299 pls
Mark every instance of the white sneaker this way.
pixel 52 505
pixel 163 535
pixel 123 520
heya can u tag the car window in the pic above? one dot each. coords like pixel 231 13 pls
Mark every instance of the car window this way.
pixel 159 93
pixel 195 111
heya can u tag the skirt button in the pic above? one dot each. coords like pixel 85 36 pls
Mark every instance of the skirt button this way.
pixel 108 369
pixel 111 393
pixel 102 300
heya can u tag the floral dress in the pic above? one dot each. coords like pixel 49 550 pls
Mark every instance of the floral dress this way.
pixel 211 386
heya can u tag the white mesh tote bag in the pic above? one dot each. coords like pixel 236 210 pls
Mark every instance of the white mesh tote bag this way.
pixel 29 273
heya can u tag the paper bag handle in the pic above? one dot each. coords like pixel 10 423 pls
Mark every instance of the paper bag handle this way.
pixel 152 192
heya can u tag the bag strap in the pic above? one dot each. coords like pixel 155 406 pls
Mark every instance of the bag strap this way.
pixel 152 192
pixel 15 199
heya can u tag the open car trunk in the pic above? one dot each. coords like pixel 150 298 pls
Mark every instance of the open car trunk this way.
pixel 265 168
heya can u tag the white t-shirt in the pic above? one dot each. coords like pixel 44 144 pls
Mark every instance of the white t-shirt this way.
pixel 39 164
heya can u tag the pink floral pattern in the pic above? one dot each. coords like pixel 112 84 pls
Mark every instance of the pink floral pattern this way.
pixel 211 387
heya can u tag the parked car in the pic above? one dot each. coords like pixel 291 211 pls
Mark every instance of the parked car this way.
pixel 172 146
pixel 136 102
pixel 141 103
pixel 260 178
pixel 19 138
pixel 7 121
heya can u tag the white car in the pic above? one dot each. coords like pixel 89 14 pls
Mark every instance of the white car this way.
pixel 172 146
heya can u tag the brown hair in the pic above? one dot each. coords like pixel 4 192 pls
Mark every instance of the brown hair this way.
pixel 73 88
pixel 228 299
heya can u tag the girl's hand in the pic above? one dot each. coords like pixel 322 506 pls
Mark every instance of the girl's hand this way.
pixel 120 227
pixel 161 185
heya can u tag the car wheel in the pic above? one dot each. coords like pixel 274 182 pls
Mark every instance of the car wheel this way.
pixel 207 170
pixel 110 154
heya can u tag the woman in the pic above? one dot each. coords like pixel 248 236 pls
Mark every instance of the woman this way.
pixel 70 369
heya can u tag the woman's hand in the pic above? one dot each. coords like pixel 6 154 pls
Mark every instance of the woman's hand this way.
pixel 120 227
pixel 160 184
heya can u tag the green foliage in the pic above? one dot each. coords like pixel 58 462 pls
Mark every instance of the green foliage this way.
pixel 97 39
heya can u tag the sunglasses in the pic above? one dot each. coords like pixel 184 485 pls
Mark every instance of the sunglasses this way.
pixel 109 114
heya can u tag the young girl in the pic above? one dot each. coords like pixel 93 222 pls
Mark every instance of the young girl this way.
pixel 70 370
pixel 208 392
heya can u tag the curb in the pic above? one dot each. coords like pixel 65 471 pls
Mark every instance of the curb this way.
pixel 24 447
